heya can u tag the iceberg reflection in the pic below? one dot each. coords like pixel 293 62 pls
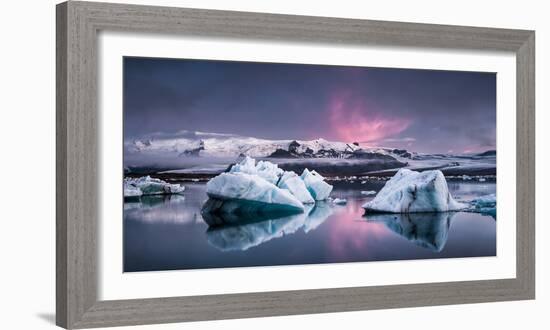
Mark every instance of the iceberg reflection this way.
pixel 262 228
pixel 428 230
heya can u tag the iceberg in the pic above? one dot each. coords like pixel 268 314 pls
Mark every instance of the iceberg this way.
pixel 252 191
pixel 315 183
pixel 410 191
pixel 294 184
pixel 486 204
pixel 136 187
pixel 368 192
pixel 340 201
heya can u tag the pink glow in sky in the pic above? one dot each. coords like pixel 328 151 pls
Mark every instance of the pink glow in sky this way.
pixel 353 120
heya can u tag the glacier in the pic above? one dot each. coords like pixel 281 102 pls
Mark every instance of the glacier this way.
pixel 410 191
pixel 142 186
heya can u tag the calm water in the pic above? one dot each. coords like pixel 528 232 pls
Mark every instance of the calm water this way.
pixel 165 233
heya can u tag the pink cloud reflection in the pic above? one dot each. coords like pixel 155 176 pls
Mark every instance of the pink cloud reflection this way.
pixel 352 119
pixel 352 232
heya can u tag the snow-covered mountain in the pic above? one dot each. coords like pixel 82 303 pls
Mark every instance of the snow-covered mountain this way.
pixel 186 143
pixel 192 153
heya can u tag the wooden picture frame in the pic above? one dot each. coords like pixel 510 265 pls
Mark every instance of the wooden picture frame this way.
pixel 78 24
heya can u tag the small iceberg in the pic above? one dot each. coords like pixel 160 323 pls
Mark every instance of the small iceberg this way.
pixel 250 189
pixel 340 201
pixel 143 186
pixel 410 192
pixel 486 204
pixel 368 192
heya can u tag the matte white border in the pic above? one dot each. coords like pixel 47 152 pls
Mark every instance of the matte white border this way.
pixel 114 284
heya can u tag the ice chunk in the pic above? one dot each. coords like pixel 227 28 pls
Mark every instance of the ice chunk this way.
pixel 340 201
pixel 486 204
pixel 315 183
pixel 410 191
pixel 368 192
pixel 293 183
pixel 131 191
pixel 135 187
pixel 252 189
pixel 264 169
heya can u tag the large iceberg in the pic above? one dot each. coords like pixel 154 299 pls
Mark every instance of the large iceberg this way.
pixel 315 183
pixel 252 189
pixel 136 187
pixel 410 191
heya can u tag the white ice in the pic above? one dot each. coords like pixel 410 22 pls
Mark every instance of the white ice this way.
pixel 315 183
pixel 486 204
pixel 410 191
pixel 368 192
pixel 264 169
pixel 252 188
pixel 135 187
pixel 340 201
pixel 293 183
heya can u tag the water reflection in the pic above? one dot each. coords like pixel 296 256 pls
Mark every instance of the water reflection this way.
pixel 233 237
pixel 159 209
pixel 169 232
pixel 428 230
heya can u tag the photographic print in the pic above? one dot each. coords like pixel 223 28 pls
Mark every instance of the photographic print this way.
pixel 235 164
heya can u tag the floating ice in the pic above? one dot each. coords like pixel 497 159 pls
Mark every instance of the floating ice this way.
pixel 340 201
pixel 368 192
pixel 135 187
pixel 315 183
pixel 486 204
pixel 409 191
pixel 252 189
pixel 255 190
pixel 293 183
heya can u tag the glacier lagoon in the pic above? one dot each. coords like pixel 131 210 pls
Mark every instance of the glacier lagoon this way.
pixel 168 232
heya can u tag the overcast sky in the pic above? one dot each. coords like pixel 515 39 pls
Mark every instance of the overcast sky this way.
pixel 419 110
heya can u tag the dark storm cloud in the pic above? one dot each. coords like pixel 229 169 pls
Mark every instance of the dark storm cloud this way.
pixel 423 110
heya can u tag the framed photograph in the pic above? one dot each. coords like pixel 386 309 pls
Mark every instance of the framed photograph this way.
pixel 217 165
